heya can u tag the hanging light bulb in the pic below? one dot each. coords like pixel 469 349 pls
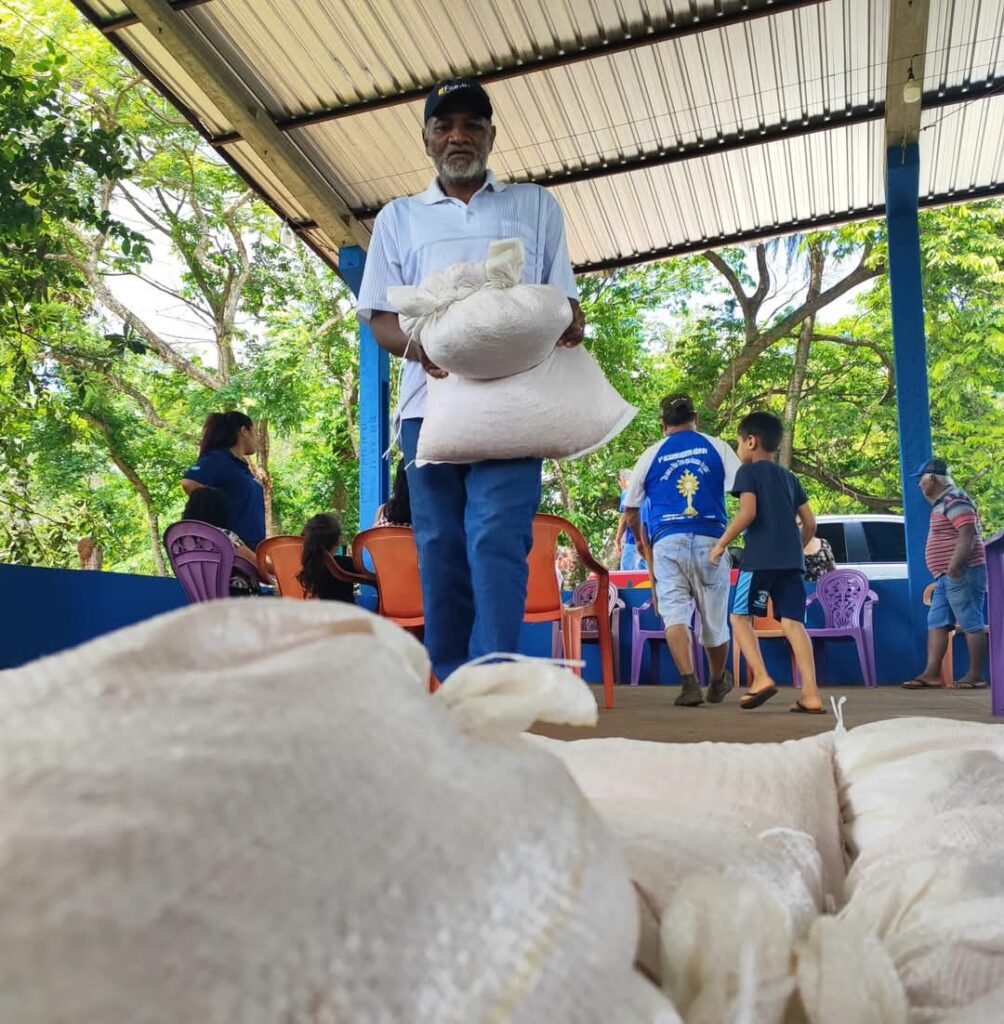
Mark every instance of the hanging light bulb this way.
pixel 911 87
pixel 286 236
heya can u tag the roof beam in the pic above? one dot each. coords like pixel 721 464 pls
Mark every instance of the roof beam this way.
pixel 128 20
pixel 732 142
pixel 120 44
pixel 907 43
pixel 247 114
pixel 749 11
pixel 971 195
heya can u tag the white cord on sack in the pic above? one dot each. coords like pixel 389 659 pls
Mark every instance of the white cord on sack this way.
pixel 838 712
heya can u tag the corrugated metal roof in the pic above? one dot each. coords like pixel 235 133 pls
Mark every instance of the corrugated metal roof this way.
pixel 691 123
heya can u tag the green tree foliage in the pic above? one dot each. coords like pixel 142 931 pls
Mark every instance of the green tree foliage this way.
pixel 100 410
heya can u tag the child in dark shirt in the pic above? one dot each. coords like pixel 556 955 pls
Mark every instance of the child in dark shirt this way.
pixel 321 537
pixel 773 563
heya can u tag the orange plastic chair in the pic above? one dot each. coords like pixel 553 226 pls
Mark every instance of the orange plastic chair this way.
pixel 279 561
pixel 394 556
pixel 768 628
pixel 543 595
pixel 947 672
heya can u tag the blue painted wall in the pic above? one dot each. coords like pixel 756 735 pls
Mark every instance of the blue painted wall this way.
pixel 46 610
pixel 894 653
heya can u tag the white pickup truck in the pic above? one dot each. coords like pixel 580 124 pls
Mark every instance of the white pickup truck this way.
pixel 874 544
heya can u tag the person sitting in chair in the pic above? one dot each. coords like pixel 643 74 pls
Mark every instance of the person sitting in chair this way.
pixel 396 510
pixel 321 536
pixel 209 505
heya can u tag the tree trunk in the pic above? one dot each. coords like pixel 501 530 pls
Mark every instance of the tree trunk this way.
pixel 817 262
pixel 264 476
pixel 129 472
pixel 90 555
pixel 758 341
pixel 155 542
pixel 566 497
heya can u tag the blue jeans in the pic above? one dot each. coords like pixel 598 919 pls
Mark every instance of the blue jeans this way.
pixel 631 560
pixel 474 529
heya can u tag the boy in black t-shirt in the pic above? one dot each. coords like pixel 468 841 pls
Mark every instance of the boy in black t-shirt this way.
pixel 773 563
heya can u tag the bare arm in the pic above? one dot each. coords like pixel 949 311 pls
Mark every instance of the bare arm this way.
pixel 808 528
pixel 190 485
pixel 742 520
pixel 245 552
pixel 386 328
pixel 632 520
pixel 622 526
pixel 963 549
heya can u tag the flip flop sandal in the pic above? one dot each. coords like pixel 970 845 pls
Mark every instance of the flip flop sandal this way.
pixel 966 685
pixel 754 700
pixel 921 684
pixel 799 708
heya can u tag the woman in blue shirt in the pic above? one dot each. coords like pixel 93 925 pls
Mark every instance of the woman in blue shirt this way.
pixel 228 438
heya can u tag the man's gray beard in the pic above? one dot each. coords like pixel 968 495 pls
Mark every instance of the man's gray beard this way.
pixel 462 173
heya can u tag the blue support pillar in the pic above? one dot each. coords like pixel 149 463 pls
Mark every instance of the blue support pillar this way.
pixel 910 352
pixel 374 401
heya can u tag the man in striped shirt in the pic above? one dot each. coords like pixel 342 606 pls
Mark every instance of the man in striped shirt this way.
pixel 957 560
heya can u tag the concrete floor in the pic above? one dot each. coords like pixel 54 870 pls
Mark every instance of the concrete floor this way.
pixel 647 713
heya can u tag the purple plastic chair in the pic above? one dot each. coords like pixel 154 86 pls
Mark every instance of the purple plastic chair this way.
pixel 995 594
pixel 202 558
pixel 847 599
pixel 639 635
pixel 585 593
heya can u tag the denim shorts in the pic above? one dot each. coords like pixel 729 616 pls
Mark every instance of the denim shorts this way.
pixel 960 602
pixel 784 587
pixel 684 576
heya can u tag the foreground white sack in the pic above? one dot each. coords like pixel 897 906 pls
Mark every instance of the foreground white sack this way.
pixel 253 811
pixel 900 793
pixel 923 801
pixel 961 831
pixel 727 952
pixel 734 850
pixel 752 787
pixel 479 320
pixel 666 853
pixel 866 747
pixel 941 921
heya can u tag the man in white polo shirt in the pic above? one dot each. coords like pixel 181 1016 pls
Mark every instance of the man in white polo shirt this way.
pixel 473 523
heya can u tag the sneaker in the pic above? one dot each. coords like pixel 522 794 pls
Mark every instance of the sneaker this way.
pixel 690 693
pixel 719 690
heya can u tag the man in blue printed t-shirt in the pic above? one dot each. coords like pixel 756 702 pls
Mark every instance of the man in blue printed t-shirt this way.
pixel 684 478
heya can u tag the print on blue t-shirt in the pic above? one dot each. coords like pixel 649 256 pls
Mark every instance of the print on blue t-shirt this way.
pixel 686 487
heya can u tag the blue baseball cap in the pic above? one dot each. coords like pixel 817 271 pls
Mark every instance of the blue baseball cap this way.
pixel 936 466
